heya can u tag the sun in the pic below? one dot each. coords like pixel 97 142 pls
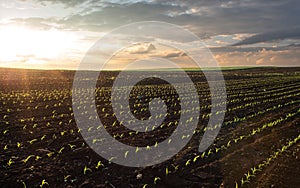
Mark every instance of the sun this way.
pixel 21 44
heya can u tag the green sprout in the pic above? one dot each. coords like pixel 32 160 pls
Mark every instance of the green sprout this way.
pixel 229 143
pixel 110 159
pixel 167 171
pixel 50 154
pixel 248 175
pixel 5 131
pixel 244 181
pixel 156 179
pixel 31 141
pixel 43 137
pixel 37 158
pixel 254 170
pixel 24 184
pixel 209 152
pixel 175 167
pixel 195 158
pixel 10 162
pixel 86 169
pixel 66 177
pixel 61 149
pixel 203 155
pixel 19 144
pixel 187 162
pixel 71 146
pixel 126 153
pixel 44 183
pixel 25 160
pixel 99 164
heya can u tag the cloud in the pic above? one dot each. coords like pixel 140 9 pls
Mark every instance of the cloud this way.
pixel 72 3
pixel 36 22
pixel 285 56
pixel 25 58
pixel 141 48
pixel 260 61
pixel 68 3
pixel 271 36
pixel 173 54
pixel 265 23
pixel 229 49
pixel 205 18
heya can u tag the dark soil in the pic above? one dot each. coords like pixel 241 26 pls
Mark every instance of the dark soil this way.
pixel 40 140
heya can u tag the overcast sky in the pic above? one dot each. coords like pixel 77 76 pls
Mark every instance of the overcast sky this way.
pixel 57 33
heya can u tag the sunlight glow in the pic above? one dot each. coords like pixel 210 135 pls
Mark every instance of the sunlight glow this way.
pixel 20 44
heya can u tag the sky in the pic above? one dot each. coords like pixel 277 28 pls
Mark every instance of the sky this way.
pixel 57 34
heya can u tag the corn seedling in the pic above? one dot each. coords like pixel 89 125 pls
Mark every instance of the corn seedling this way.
pixel 156 179
pixel 44 183
pixel 86 169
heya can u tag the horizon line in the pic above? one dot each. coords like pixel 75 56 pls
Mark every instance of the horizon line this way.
pixel 156 69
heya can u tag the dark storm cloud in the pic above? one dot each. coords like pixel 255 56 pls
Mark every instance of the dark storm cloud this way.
pixel 205 18
pixel 102 3
pixel 68 3
pixel 107 18
pixel 202 17
pixel 271 36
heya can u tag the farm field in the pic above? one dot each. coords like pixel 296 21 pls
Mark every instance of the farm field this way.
pixel 258 145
